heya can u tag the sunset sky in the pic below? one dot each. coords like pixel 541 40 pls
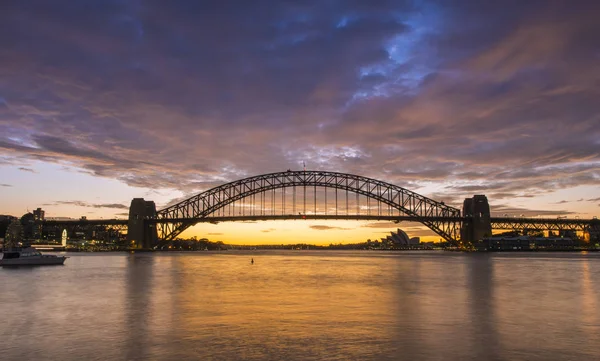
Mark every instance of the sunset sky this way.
pixel 102 101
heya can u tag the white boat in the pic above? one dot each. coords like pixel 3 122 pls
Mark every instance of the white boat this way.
pixel 29 257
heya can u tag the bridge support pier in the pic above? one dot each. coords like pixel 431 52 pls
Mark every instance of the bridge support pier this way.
pixel 477 224
pixel 592 232
pixel 140 233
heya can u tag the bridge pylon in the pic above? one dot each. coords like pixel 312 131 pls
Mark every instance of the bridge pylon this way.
pixel 139 233
pixel 477 219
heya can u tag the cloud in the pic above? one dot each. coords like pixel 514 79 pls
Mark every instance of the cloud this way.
pixel 268 230
pixel 5 185
pixel 564 201
pixel 319 227
pixel 189 95
pixel 502 210
pixel 381 225
pixel 215 234
pixel 86 204
pixel 24 169
pixel 111 205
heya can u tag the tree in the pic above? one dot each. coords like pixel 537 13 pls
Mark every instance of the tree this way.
pixel 14 234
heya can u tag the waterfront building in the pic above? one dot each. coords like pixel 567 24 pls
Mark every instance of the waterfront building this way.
pixel 524 243
pixel 38 214
pixel 401 238
pixel 30 231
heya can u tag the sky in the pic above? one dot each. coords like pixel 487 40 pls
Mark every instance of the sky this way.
pixel 102 101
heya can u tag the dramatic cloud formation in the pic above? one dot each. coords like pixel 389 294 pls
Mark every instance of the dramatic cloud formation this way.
pixel 448 98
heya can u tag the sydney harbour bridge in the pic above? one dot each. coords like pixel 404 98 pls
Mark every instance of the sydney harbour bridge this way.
pixel 319 195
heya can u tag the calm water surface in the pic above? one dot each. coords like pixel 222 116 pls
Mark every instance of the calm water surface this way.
pixel 304 305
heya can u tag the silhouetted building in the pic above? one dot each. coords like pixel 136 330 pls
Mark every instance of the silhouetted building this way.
pixel 29 226
pixel 401 239
pixel 525 243
pixel 38 214
pixel 567 233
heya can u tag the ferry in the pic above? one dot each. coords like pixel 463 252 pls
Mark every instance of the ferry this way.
pixel 29 256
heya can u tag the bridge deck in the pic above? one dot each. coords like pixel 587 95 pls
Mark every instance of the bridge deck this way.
pixel 496 221
pixel 303 217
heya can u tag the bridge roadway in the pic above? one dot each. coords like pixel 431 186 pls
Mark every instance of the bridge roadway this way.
pixel 85 222
pixel 244 218
pixel 497 222
pixel 121 226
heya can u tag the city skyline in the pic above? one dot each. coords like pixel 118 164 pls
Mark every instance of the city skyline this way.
pixel 103 102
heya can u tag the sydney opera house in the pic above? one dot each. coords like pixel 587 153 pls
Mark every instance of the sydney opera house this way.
pixel 400 239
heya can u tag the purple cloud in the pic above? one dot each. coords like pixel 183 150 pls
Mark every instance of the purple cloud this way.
pixel 471 97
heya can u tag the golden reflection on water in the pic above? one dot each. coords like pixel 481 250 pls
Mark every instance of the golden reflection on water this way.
pixel 304 305
pixel 280 300
pixel 590 301
pixel 590 317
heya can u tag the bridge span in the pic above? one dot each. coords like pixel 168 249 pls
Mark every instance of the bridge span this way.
pixel 319 195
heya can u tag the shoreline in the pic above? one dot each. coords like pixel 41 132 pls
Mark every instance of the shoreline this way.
pixel 133 251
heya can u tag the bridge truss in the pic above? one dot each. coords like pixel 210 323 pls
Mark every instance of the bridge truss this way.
pixel 545 224
pixel 308 194
pixel 99 229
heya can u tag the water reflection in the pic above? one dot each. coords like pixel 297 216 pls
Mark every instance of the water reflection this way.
pixel 304 306
pixel 137 306
pixel 589 316
pixel 589 303
pixel 484 341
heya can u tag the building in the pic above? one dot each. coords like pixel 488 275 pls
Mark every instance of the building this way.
pixel 399 239
pixel 524 243
pixel 38 214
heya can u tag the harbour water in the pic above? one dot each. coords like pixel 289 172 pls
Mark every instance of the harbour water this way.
pixel 304 305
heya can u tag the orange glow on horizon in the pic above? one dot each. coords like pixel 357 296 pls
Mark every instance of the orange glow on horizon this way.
pixel 302 232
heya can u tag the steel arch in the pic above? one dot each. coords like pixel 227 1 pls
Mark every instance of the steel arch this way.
pixel 419 207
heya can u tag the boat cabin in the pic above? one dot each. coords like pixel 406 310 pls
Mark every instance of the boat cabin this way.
pixel 27 252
